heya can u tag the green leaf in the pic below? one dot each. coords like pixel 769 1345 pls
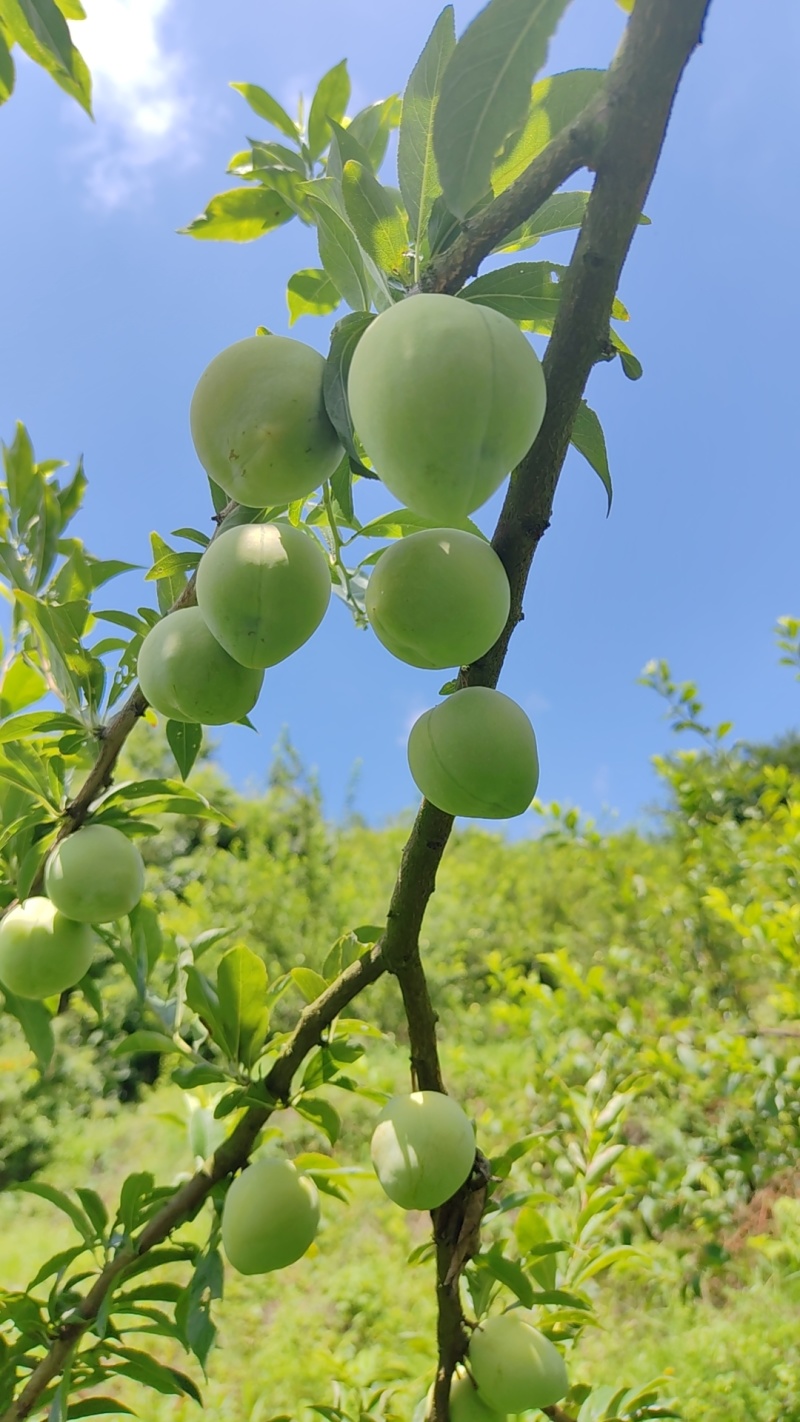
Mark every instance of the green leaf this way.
pixel 486 91
pixel 268 108
pixel 150 1373
pixel 339 251
pixel 38 723
pixel 242 991
pixel 372 126
pixel 159 797
pixel 321 1114
pixel 171 564
pixel 39 28
pixel 172 584
pixel 95 1209
pixel 6 70
pixel 21 685
pixel 606 1260
pixel 62 1202
pixel 630 364
pixel 240 215
pixel 202 998
pixel 311 293
pixel 416 163
pixel 184 739
pixel 554 103
pixel 588 438
pixel 194 535
pixel 398 522
pixel 524 291
pixel 145 1041
pixel 510 1273
pixel 97 1407
pixel 310 983
pixel 341 483
pixel 35 1021
pixel 563 212
pixel 345 337
pixel 329 102
pixel 377 216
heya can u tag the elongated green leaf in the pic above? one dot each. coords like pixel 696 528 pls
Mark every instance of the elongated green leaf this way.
pixel 631 365
pixel 267 108
pixel 372 126
pixel 345 337
pixel 184 739
pixel 34 1019
pixel 240 215
pixel 339 250
pixel 146 1370
pixel 310 983
pixel 62 1202
pixel 39 28
pixel 588 438
pixel 523 291
pixel 145 1041
pixel 21 685
pixel 398 522
pixel 202 998
pixel 554 103
pixel 377 217
pixel 6 70
pixel 97 1407
pixel 170 584
pixel 170 564
pixel 416 163
pixel 486 91
pixel 320 1112
pixel 311 292
pixel 38 723
pixel 563 212
pixel 329 102
pixel 242 992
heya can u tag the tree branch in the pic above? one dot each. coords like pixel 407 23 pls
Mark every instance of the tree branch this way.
pixel 231 1155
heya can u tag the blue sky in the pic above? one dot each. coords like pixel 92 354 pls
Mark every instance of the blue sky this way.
pixel 109 317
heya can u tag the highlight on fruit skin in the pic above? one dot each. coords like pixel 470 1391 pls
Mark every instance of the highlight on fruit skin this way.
pixel 514 1365
pixel 263 589
pixel 423 1149
pixel 42 952
pixel 259 423
pixel 474 754
pixel 95 875
pixel 270 1216
pixel 186 675
pixel 465 1402
pixel 447 396
pixel 438 598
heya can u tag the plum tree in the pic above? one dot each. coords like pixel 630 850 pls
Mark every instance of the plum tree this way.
pixel 95 875
pixel 270 1216
pixel 514 1365
pixel 263 589
pixel 423 1149
pixel 475 754
pixel 41 951
pixel 447 396
pixel 186 675
pixel 259 424
pixel 438 598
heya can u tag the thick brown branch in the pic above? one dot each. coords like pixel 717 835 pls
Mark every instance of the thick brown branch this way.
pixel 231 1155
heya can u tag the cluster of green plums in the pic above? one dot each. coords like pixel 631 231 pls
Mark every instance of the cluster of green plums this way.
pixel 446 396
pixel 423 1152
pixel 95 875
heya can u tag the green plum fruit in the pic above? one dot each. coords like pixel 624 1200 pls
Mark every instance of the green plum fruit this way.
pixel 259 422
pixel 447 396
pixel 186 675
pixel 423 1149
pixel 270 1217
pixel 263 589
pixel 438 598
pixel 465 1404
pixel 475 754
pixel 514 1365
pixel 95 875
pixel 42 952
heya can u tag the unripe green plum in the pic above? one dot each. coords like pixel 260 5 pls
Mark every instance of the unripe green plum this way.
pixel 95 875
pixel 514 1365
pixel 438 598
pixel 259 422
pixel 270 1217
pixel 447 396
pixel 465 1404
pixel 475 754
pixel 42 952
pixel 263 589
pixel 186 675
pixel 423 1149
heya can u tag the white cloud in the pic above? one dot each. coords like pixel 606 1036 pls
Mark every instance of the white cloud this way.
pixel 141 101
